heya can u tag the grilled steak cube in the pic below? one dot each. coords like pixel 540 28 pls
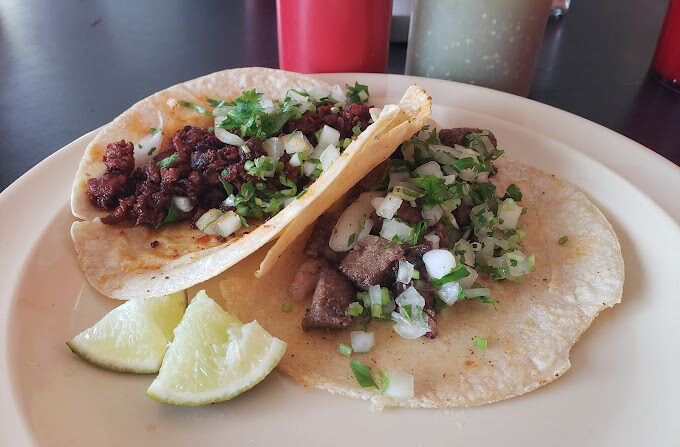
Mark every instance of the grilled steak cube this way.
pixel 332 295
pixel 370 263
pixel 317 245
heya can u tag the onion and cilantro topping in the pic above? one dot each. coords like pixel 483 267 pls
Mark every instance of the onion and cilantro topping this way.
pixel 474 232
pixel 393 384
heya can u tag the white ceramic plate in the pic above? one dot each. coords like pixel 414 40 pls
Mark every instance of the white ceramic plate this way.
pixel 622 388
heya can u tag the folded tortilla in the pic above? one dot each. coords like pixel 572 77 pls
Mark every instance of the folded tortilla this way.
pixel 529 336
pixel 119 261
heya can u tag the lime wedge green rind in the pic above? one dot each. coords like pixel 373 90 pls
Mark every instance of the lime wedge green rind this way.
pixel 134 336
pixel 214 357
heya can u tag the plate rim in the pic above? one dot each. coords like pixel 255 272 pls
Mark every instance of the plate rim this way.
pixel 18 428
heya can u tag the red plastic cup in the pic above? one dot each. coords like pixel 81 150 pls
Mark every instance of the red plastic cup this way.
pixel 324 36
pixel 666 62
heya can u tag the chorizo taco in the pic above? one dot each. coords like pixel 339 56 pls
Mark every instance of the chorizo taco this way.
pixel 447 277
pixel 194 178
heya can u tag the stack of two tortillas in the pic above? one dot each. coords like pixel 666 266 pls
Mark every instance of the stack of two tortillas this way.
pixel 529 334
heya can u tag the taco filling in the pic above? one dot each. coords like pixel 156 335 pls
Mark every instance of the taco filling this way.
pixel 426 230
pixel 259 156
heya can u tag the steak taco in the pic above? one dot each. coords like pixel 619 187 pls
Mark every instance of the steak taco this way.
pixel 446 277
pixel 192 179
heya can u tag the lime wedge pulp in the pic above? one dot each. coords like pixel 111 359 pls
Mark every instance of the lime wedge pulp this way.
pixel 134 336
pixel 214 357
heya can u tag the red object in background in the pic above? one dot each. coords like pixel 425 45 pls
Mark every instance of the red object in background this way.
pixel 666 60
pixel 324 36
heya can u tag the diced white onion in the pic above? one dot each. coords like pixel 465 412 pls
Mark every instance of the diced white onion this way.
pixel 365 230
pixel 267 105
pixel 430 168
pixel 408 329
pixel 328 136
pixel 392 228
pixel 387 206
pixel 449 292
pixel 483 176
pixel 206 220
pixel 375 113
pixel 407 191
pixel 449 179
pixel 473 293
pixel 274 147
pixel 329 156
pixel 398 177
pixel 295 142
pixel 337 94
pixel 318 91
pixel 434 240
pixel 182 203
pixel 350 222
pixel 220 112
pixel 487 144
pixel 467 282
pixel 469 256
pixel 433 214
pixel 230 200
pixel 225 225
pixel 468 174
pixel 509 211
pixel 147 143
pixel 400 386
pixel 362 342
pixel 405 272
pixel 228 138
pixel 295 96
pixel 308 167
pixel 375 295
pixel 439 263
pixel 295 160
pixel 410 296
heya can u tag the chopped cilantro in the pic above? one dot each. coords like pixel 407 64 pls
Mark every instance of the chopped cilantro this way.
pixel 384 379
pixel 563 240
pixel 458 272
pixel 362 374
pixel 225 184
pixel 286 307
pixel 415 233
pixel 302 193
pixel 344 349
pixel 395 240
pixel 259 167
pixel 480 342
pixel 357 94
pixel 439 304
pixel 167 161
pixel 463 163
pixel 170 217
pixel 355 309
pixel 481 299
pixel 356 130
pixel 513 192
pixel 192 106
pixel 151 151
pixel 154 130
pixel 352 238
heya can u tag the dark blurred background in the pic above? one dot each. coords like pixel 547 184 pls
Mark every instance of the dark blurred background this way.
pixel 69 66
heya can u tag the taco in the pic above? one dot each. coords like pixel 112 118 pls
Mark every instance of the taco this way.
pixel 447 277
pixel 194 178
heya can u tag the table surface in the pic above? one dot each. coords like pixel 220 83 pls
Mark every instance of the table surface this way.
pixel 69 66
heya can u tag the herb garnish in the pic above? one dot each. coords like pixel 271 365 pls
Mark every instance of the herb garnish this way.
pixel 344 349
pixel 563 240
pixel 357 94
pixel 192 106
pixel 167 161
pixel 480 342
pixel 170 217
pixel 457 273
pixel 154 130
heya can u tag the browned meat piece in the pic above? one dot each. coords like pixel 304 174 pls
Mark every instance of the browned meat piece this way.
pixel 344 121
pixel 409 214
pixel 332 295
pixel 441 231
pixel 431 321
pixel 374 177
pixel 449 137
pixel 370 263
pixel 317 245
pixel 303 283
pixel 462 214
pixel 120 158
pixel 105 191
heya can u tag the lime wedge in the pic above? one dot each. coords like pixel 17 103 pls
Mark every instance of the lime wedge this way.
pixel 134 336
pixel 214 357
